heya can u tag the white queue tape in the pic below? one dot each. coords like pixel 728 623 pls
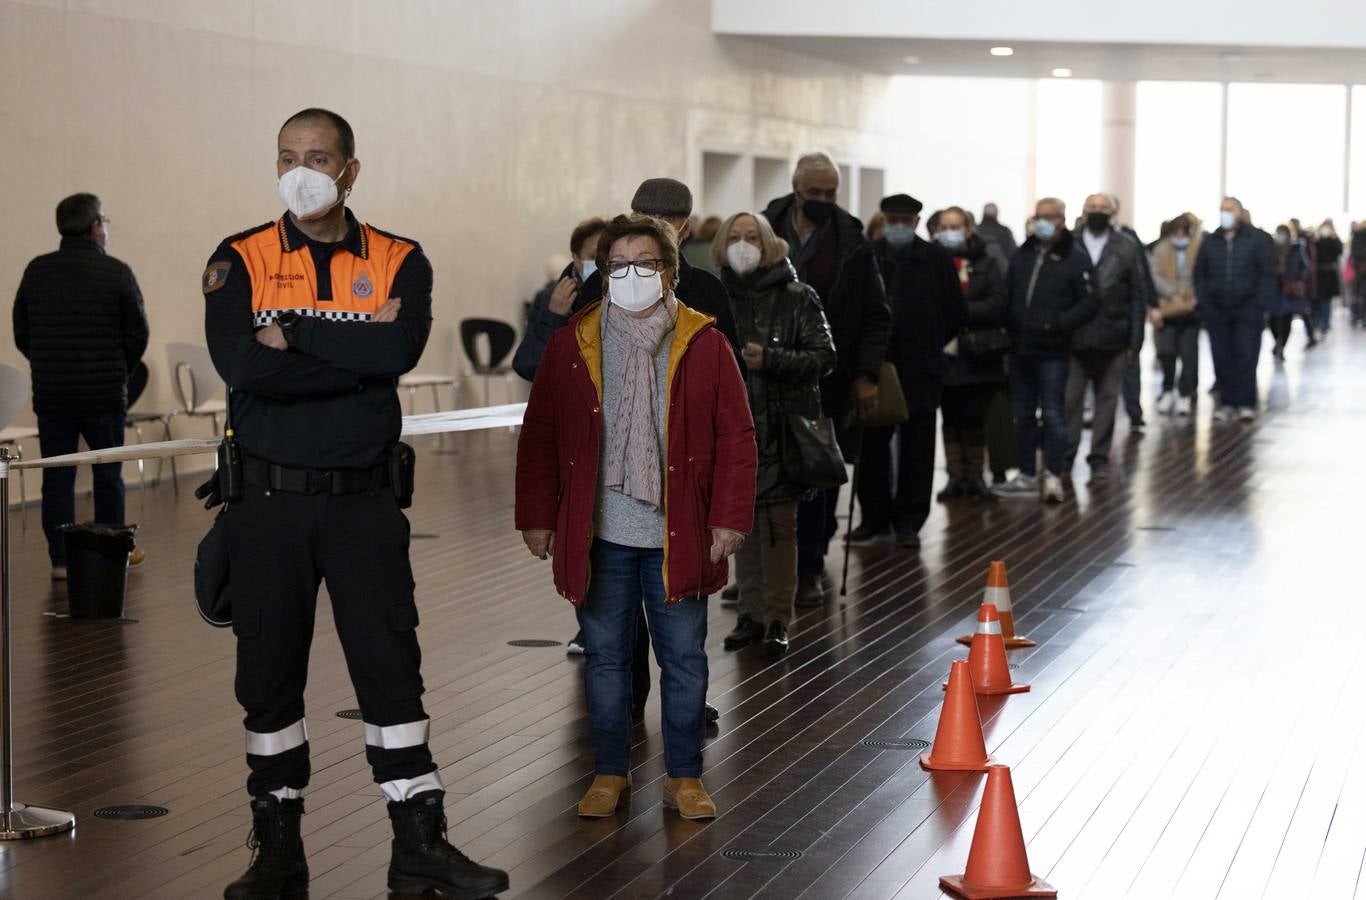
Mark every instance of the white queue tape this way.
pixel 479 419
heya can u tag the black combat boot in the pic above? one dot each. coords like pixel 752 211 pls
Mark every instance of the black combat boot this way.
pixel 422 860
pixel 278 867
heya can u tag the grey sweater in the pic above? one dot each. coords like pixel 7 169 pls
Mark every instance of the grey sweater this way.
pixel 618 518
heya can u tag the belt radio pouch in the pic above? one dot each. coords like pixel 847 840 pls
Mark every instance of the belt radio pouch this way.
pixel 230 483
pixel 402 467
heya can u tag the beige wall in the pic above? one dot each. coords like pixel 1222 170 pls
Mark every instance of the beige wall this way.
pixel 485 129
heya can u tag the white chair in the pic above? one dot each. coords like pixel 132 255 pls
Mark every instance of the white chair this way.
pixel 135 419
pixel 414 382
pixel 14 394
pixel 197 389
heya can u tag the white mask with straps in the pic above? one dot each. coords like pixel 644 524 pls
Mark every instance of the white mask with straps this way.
pixel 309 193
pixel 635 292
pixel 743 257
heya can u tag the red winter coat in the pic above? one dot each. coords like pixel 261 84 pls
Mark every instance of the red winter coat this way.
pixel 709 463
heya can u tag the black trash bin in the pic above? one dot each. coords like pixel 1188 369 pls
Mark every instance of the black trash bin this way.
pixel 97 568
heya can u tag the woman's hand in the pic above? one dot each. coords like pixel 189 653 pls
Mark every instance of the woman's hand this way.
pixel 753 355
pixel 540 541
pixel 563 297
pixel 1155 317
pixel 724 542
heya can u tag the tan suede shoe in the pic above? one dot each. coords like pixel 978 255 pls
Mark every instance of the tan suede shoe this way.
pixel 688 797
pixel 603 795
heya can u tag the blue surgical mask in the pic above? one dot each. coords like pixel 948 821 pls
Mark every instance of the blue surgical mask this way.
pixel 1044 229
pixel 1227 220
pixel 1181 243
pixel 589 267
pixel 900 235
pixel 951 239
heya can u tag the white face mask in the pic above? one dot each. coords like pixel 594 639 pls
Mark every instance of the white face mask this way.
pixel 743 257
pixel 1227 220
pixel 634 292
pixel 309 193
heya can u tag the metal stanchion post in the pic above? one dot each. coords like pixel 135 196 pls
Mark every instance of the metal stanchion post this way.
pixel 17 821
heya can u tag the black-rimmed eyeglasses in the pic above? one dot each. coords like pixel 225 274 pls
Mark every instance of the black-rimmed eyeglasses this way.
pixel 644 267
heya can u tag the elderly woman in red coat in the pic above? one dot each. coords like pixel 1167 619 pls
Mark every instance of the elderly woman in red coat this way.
pixel 636 465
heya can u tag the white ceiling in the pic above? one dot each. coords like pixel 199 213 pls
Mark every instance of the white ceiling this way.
pixel 1111 62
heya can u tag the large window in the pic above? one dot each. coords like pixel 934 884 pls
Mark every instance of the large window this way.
pixel 1285 150
pixel 968 146
pixel 1067 142
pixel 1176 153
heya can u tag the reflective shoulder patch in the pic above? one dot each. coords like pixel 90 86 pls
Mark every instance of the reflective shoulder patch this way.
pixel 216 275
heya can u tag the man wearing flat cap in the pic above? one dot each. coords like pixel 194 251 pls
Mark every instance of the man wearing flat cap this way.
pixel 670 200
pixel 927 313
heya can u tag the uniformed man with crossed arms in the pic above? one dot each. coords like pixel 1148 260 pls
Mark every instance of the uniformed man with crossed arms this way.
pixel 310 320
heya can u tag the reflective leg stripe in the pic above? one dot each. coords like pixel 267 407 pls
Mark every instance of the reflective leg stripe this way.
pixel 401 789
pixel 998 597
pixel 276 742
pixel 396 737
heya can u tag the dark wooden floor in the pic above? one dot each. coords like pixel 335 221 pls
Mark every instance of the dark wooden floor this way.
pixel 1196 726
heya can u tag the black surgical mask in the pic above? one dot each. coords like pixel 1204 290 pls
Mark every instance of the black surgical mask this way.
pixel 818 212
pixel 1097 221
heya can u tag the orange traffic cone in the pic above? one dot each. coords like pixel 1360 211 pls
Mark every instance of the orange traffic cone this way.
pixel 997 593
pixel 987 658
pixel 997 863
pixel 958 744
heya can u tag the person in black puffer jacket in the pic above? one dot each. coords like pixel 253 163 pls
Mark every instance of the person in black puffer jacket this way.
pixel 1049 296
pixel 786 349
pixel 975 362
pixel 79 319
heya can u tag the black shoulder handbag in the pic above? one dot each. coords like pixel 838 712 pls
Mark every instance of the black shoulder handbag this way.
pixel 822 463
pixel 979 342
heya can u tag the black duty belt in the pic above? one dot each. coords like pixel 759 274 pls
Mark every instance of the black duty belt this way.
pixel 260 473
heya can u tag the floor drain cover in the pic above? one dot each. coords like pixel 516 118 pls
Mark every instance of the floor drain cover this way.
pixel 762 853
pixel 348 714
pixel 424 536
pixel 134 811
pixel 533 642
pixel 1156 528
pixel 897 743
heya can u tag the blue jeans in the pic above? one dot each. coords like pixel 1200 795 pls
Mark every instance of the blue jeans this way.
pixel 1235 342
pixel 623 578
pixel 1040 382
pixel 58 435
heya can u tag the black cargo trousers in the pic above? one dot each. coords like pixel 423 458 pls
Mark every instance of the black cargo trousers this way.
pixel 281 546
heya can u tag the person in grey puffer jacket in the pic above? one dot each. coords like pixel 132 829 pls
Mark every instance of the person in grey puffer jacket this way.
pixel 786 349
pixel 1110 339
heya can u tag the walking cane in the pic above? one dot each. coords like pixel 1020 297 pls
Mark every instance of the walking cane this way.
pixel 849 525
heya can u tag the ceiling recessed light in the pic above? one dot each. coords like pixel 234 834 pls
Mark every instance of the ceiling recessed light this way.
pixel 1062 73
pixel 911 60
pixel 1002 51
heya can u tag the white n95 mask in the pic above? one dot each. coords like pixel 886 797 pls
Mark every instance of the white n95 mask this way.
pixel 309 193
pixel 635 292
pixel 743 257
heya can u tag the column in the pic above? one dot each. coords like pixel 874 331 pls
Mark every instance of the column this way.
pixel 1118 109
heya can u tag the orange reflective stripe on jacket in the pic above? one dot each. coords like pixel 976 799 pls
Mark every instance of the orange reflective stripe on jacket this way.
pixel 283 277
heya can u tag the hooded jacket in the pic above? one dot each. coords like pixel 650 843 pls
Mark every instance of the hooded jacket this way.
pixel 709 458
